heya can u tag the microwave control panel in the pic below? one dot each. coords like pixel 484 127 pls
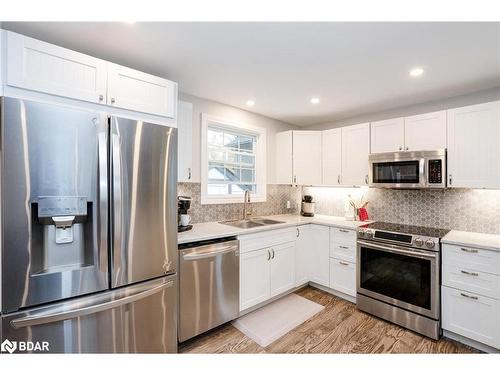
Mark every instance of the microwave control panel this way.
pixel 435 171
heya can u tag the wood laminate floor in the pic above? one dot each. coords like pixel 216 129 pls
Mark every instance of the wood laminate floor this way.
pixel 338 328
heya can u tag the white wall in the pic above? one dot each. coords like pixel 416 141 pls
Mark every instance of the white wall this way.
pixel 201 105
pixel 454 102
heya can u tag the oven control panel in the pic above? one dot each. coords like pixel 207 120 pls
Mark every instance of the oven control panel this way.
pixel 422 242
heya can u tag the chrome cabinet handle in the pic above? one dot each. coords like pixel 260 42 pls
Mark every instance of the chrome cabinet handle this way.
pixel 189 173
pixel 449 179
pixel 400 148
pixel 298 232
pixel 407 148
pixel 469 273
pixel 113 100
pixel 272 250
pixel 101 97
pixel 268 255
pixel 343 247
pixel 473 251
pixel 343 231
pixel 366 179
pixel 294 179
pixel 343 263
pixel 470 297
pixel 338 179
pixel 34 320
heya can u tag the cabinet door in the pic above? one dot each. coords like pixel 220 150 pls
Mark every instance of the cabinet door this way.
pixel 332 156
pixel 387 135
pixel 44 67
pixel 307 157
pixel 473 146
pixel 343 276
pixel 319 255
pixel 184 141
pixel 425 132
pixel 302 255
pixel 255 278
pixel 282 268
pixel 355 151
pixel 472 316
pixel 138 91
pixel 284 156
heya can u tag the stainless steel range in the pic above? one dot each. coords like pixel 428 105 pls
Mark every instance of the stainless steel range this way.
pixel 398 276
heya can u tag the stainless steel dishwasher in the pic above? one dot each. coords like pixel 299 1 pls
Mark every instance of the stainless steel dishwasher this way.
pixel 209 273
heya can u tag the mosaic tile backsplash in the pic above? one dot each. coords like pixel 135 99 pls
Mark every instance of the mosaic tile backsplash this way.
pixel 277 196
pixel 460 209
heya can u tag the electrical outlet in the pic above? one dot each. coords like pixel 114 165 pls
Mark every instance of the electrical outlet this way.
pixel 288 205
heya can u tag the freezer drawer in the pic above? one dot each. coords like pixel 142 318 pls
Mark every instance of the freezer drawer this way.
pixel 137 319
pixel 209 286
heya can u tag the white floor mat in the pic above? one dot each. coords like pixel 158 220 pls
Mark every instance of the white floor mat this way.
pixel 270 322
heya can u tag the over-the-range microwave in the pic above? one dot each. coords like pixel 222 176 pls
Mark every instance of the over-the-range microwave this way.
pixel 408 169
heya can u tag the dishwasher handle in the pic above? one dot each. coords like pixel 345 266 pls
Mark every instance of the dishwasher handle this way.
pixel 210 251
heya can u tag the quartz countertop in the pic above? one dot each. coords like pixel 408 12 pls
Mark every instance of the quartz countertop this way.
pixel 482 240
pixel 212 230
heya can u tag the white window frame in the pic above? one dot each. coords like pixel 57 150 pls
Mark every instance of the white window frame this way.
pixel 260 160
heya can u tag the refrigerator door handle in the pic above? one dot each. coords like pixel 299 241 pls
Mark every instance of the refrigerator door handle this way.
pixel 45 318
pixel 117 204
pixel 103 197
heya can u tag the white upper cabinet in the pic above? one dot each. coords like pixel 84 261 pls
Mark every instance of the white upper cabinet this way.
pixel 355 151
pixel 138 91
pixel 425 132
pixel 473 146
pixel 185 142
pixel 307 157
pixel 298 157
pixel 39 66
pixel 388 135
pixel 332 156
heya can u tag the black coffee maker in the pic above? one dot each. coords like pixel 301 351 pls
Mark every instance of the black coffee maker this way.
pixel 183 205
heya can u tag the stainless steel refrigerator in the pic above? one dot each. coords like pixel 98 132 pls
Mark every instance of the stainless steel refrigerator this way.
pixel 88 230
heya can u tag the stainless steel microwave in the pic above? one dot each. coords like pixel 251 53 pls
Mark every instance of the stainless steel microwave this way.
pixel 408 170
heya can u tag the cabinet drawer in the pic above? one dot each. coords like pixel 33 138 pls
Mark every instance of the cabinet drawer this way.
pixel 260 240
pixel 343 251
pixel 342 236
pixel 472 316
pixel 472 258
pixel 343 276
pixel 485 284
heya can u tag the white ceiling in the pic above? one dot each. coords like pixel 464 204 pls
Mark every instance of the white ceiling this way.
pixel 355 68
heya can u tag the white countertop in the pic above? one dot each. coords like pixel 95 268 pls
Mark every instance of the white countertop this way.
pixel 482 240
pixel 212 230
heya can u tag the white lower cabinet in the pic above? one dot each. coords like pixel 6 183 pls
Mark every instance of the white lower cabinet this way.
pixel 343 276
pixel 302 255
pixel 471 315
pixel 255 278
pixel 282 268
pixel 319 255
pixel 268 271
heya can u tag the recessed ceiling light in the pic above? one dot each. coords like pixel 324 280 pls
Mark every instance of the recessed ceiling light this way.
pixel 130 22
pixel 250 103
pixel 417 72
pixel 314 100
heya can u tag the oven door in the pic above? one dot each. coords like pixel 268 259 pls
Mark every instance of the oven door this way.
pixel 396 172
pixel 401 276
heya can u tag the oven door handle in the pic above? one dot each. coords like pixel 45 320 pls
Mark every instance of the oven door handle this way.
pixel 398 250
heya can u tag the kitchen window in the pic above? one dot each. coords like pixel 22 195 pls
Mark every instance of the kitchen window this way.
pixel 233 161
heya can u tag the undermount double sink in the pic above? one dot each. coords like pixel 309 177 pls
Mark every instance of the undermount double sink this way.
pixel 251 223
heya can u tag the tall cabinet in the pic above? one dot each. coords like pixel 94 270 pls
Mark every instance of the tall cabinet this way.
pixel 474 146
pixel 184 141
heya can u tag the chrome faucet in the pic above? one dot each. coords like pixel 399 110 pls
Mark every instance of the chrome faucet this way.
pixel 246 200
